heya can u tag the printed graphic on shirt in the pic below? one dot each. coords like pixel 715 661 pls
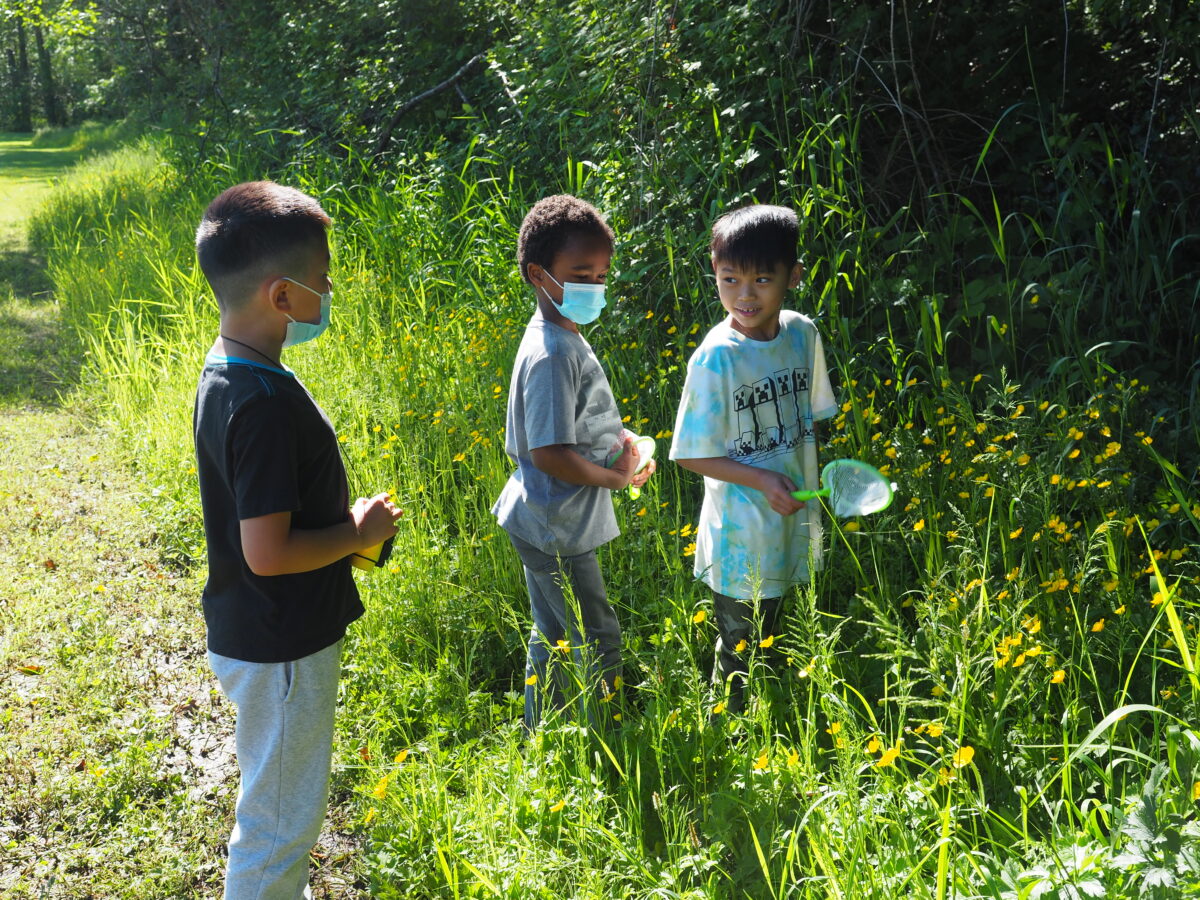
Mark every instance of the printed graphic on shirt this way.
pixel 774 416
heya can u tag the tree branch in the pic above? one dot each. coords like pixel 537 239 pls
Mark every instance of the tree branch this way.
pixel 386 134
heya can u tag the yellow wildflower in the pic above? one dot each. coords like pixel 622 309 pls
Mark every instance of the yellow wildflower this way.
pixel 699 617
pixel 963 756
pixel 761 762
pixel 1058 676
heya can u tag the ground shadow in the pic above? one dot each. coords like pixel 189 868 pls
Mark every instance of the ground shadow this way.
pixel 21 161
pixel 40 361
pixel 23 274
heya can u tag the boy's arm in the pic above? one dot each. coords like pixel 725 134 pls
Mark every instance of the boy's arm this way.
pixel 561 462
pixel 776 486
pixel 272 547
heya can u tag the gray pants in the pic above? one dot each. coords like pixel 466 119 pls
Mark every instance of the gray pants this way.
pixel 585 620
pixel 737 621
pixel 284 747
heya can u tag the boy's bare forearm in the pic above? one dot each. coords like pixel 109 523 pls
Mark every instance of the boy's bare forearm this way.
pixel 309 549
pixel 722 468
pixel 775 486
pixel 271 546
pixel 563 463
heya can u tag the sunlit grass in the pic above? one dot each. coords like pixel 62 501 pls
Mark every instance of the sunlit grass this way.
pixel 984 676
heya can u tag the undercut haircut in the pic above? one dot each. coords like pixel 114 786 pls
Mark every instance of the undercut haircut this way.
pixel 253 229
pixel 555 221
pixel 756 238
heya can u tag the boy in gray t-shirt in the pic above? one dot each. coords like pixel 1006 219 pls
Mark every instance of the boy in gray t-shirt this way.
pixel 565 435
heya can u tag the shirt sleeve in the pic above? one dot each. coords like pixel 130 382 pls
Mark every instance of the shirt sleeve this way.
pixel 698 427
pixel 263 466
pixel 549 399
pixel 824 404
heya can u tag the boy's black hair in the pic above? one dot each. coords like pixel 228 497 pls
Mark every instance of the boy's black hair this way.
pixel 757 237
pixel 551 223
pixel 252 228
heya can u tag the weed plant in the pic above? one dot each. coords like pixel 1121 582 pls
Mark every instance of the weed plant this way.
pixel 990 690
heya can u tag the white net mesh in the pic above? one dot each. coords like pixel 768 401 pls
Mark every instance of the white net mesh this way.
pixel 855 489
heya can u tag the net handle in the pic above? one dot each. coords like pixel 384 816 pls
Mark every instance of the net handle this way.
pixel 810 495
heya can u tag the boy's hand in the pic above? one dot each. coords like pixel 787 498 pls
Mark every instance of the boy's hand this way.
pixel 778 490
pixel 626 463
pixel 643 476
pixel 375 519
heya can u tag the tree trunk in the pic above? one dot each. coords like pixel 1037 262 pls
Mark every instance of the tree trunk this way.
pixel 22 101
pixel 50 102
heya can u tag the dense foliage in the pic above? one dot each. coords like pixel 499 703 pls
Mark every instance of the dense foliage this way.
pixel 996 150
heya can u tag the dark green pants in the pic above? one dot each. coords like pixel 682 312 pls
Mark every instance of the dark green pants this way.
pixel 737 621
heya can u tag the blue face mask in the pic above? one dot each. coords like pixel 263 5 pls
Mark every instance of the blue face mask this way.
pixel 299 332
pixel 581 303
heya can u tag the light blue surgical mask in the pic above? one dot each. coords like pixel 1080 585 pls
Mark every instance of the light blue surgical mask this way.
pixel 581 303
pixel 299 332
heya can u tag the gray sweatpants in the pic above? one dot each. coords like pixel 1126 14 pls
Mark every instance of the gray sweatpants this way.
pixel 284 740
pixel 585 620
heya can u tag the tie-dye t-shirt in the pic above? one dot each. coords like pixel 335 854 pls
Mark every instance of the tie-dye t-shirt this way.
pixel 755 402
pixel 558 395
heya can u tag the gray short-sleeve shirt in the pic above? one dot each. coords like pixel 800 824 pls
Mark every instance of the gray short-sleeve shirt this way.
pixel 559 394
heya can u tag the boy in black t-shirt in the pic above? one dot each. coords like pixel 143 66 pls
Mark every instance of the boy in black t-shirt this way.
pixel 279 527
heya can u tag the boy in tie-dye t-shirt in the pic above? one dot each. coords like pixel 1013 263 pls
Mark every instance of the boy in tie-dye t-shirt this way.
pixel 755 388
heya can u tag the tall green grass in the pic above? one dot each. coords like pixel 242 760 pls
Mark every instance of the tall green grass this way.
pixel 990 690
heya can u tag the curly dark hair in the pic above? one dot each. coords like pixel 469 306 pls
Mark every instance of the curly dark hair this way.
pixel 756 237
pixel 551 223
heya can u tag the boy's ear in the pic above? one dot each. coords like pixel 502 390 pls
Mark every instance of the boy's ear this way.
pixel 535 273
pixel 796 276
pixel 277 294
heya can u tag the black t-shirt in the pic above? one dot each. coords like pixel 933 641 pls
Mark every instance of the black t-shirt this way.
pixel 264 446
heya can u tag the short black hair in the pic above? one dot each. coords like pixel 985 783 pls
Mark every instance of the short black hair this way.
pixel 756 237
pixel 251 228
pixel 552 223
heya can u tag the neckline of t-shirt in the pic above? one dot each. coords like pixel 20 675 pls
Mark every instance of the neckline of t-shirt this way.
pixel 538 317
pixel 217 360
pixel 755 342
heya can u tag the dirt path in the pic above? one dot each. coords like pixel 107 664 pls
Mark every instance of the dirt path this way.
pixel 117 773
